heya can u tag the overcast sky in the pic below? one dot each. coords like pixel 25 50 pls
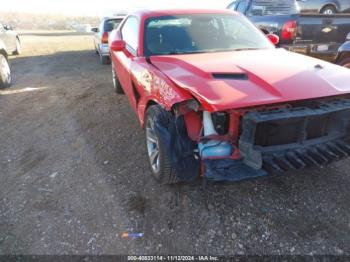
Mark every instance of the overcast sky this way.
pixel 101 7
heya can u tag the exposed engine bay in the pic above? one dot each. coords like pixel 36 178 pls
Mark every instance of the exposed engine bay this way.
pixel 254 142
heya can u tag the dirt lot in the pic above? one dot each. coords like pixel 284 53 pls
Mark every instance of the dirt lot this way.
pixel 74 176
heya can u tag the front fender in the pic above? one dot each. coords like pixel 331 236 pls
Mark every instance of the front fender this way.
pixel 155 88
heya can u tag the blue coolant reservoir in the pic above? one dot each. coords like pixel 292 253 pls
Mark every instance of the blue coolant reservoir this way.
pixel 214 148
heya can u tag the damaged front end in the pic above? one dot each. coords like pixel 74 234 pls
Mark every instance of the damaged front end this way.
pixel 315 133
pixel 244 144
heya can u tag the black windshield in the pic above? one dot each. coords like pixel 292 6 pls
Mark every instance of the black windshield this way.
pixel 203 33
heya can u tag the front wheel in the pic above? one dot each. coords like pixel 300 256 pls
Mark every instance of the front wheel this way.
pixel 158 157
pixel 104 60
pixel 5 72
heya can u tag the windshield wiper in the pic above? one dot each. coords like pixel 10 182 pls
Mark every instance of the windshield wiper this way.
pixel 176 52
pixel 183 52
pixel 245 49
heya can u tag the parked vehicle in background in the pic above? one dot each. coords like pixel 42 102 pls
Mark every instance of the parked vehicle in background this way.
pixel 315 35
pixel 101 36
pixel 10 39
pixel 5 71
pixel 326 7
pixel 343 55
pixel 218 100
pixel 83 28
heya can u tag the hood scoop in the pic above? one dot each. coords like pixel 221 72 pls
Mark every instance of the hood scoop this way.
pixel 230 76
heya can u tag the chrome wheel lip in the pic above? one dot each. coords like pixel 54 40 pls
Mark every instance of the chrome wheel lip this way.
pixel 152 146
pixel 113 77
pixel 5 69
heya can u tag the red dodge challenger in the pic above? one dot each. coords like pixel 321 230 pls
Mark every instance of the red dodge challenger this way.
pixel 217 99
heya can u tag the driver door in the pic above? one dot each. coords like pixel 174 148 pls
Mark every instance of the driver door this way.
pixel 130 34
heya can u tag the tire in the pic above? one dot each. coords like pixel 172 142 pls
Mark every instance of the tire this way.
pixel 104 60
pixel 18 50
pixel 158 158
pixel 5 72
pixel 345 62
pixel 116 84
pixel 95 47
pixel 328 10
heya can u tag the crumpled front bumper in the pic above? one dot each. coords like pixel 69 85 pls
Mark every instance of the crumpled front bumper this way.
pixel 275 141
pixel 298 137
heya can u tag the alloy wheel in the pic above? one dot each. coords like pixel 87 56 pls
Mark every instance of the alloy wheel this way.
pixel 152 146
pixel 5 69
pixel 114 76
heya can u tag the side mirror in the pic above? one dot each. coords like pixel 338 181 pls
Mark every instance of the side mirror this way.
pixel 273 38
pixel 94 29
pixel 348 37
pixel 117 45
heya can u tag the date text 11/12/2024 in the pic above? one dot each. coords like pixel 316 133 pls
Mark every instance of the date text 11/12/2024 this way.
pixel 173 258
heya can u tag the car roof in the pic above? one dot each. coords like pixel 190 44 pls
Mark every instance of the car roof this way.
pixel 165 12
pixel 114 17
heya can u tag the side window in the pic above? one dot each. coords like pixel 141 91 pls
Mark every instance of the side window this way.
pixel 242 6
pixel 100 28
pixel 112 24
pixel 130 33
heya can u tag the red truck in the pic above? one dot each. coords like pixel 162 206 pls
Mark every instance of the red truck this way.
pixel 218 100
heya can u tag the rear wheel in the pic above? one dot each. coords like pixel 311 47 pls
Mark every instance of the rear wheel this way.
pixel 158 157
pixel 5 72
pixel 18 48
pixel 328 10
pixel 104 60
pixel 345 62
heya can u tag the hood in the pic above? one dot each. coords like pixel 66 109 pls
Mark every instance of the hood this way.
pixel 232 80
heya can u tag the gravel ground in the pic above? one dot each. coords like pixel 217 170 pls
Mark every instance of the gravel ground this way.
pixel 74 176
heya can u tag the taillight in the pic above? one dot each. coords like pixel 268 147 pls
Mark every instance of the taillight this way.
pixel 289 30
pixel 104 39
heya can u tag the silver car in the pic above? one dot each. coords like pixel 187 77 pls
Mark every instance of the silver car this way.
pixel 107 25
pixel 10 39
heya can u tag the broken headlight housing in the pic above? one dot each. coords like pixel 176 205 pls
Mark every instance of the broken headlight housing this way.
pixel 221 122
